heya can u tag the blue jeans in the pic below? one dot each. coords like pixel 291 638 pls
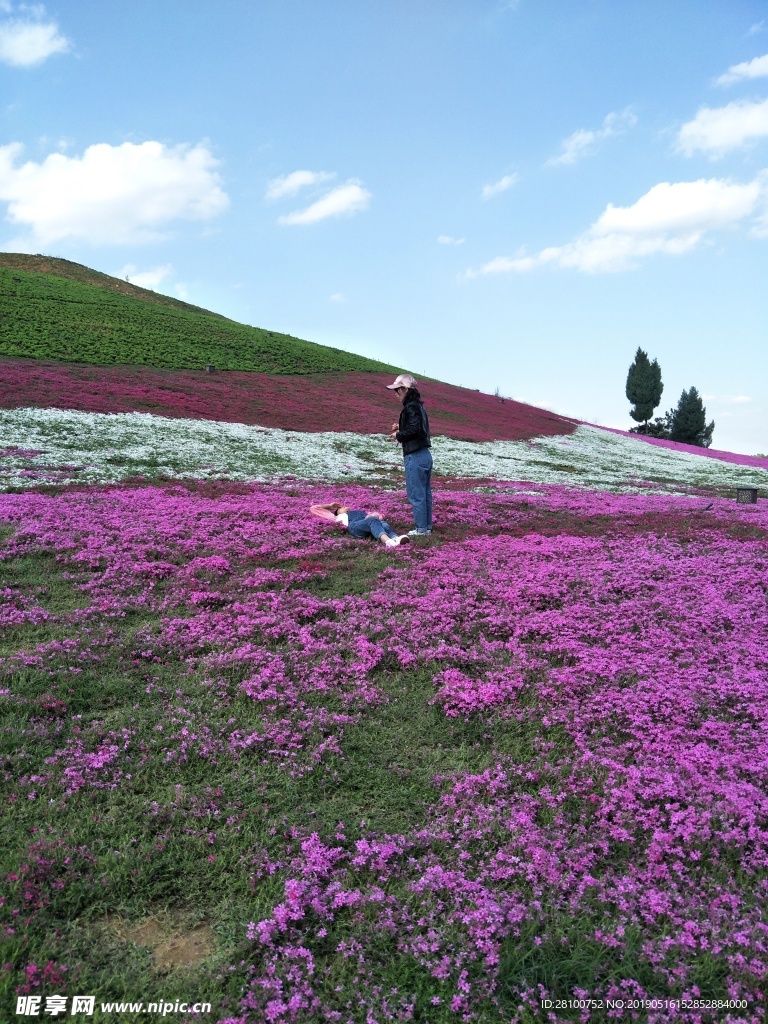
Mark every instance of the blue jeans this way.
pixel 418 488
pixel 361 526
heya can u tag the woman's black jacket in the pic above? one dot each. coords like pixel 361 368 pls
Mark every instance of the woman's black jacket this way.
pixel 413 429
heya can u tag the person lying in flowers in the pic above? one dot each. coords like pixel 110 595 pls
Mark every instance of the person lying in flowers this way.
pixel 358 523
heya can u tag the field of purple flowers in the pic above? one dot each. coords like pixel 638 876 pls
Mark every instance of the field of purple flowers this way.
pixel 523 761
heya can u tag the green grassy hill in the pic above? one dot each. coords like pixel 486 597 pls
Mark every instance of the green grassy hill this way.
pixel 54 309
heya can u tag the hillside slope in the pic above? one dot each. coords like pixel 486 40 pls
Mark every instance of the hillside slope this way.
pixel 81 274
pixel 351 401
pixel 54 309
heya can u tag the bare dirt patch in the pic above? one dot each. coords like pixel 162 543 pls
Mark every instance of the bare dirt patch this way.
pixel 170 939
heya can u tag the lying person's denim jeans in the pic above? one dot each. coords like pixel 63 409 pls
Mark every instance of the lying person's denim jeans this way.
pixel 362 525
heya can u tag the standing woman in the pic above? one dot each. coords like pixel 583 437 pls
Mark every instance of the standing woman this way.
pixel 412 431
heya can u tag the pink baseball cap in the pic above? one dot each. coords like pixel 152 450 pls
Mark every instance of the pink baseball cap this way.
pixel 403 380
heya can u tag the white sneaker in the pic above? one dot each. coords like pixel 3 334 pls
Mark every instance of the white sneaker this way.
pixel 419 533
pixel 395 542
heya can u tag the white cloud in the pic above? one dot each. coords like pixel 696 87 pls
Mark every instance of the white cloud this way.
pixel 728 399
pixel 716 130
pixel 489 191
pixel 25 42
pixel 757 68
pixel 337 297
pixel 583 142
pixel 756 28
pixel 146 278
pixel 111 195
pixel 347 199
pixel 683 206
pixel 671 218
pixel 449 240
pixel 290 184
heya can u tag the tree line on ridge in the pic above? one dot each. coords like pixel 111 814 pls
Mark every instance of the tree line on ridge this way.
pixel 687 422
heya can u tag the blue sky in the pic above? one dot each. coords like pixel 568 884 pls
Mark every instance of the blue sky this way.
pixel 499 194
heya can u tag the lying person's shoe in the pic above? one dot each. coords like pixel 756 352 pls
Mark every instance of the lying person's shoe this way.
pixel 403 539
pixel 395 542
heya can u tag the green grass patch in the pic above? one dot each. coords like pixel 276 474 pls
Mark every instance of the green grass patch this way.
pixel 39 574
pixel 44 594
pixel 352 569
pixel 565 954
pixel 90 318
pixel 393 760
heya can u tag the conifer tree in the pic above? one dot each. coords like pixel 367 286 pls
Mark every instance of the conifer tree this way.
pixel 689 421
pixel 644 388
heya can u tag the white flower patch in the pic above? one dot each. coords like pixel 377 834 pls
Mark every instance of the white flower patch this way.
pixel 593 458
pixel 39 446
pixel 86 447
